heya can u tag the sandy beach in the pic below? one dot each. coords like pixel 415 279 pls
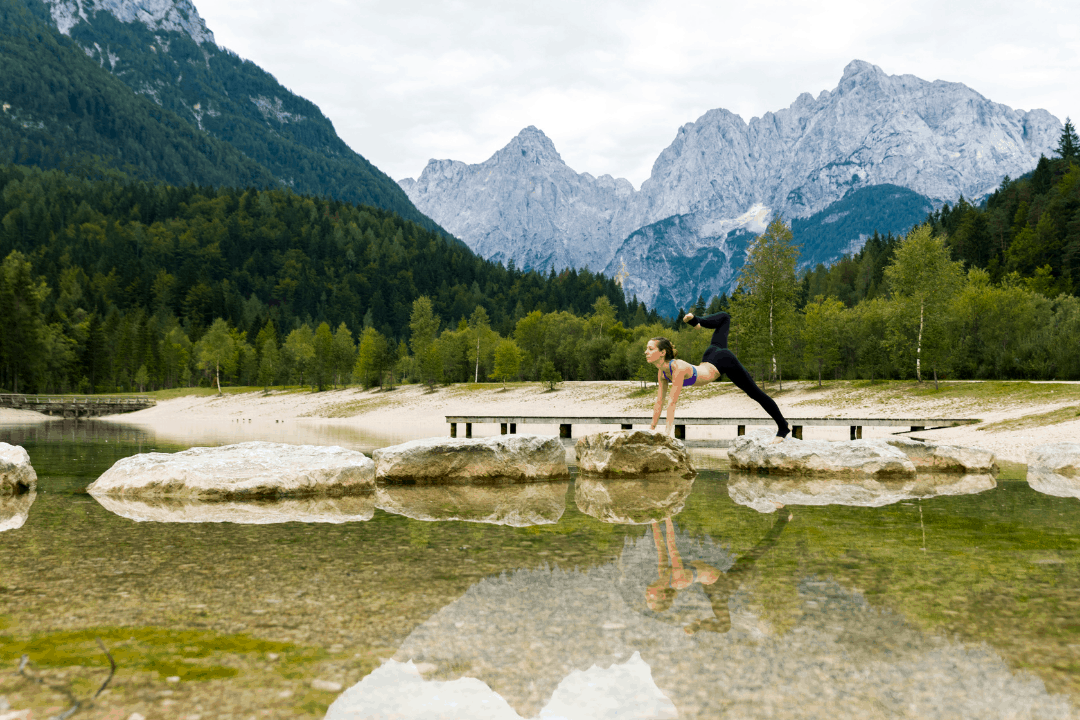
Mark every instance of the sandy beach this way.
pixel 1015 416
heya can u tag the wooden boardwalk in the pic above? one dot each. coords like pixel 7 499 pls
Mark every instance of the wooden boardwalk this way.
pixel 77 406
pixel 509 423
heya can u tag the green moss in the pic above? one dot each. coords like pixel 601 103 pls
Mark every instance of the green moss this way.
pixel 191 655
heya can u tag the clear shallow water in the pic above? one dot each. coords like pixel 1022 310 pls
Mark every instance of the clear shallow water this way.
pixel 950 606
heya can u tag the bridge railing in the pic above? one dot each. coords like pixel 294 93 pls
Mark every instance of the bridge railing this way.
pixel 19 400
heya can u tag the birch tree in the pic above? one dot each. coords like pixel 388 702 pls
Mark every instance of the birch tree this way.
pixel 923 279
pixel 766 306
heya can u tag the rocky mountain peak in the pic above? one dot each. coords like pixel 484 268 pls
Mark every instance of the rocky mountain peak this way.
pixel 530 145
pixel 156 15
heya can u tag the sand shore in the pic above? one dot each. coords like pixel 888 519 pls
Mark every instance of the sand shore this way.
pixel 1015 416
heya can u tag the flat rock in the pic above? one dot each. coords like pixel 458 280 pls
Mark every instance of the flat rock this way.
pixel 513 505
pixel 14 509
pixel 462 461
pixel 246 471
pixel 1052 483
pixel 1059 458
pixel 632 502
pixel 928 457
pixel 16 473
pixel 632 453
pixel 350 508
pixel 849 458
pixel 763 493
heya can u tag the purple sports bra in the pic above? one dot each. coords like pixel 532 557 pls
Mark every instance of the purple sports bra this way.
pixel 686 381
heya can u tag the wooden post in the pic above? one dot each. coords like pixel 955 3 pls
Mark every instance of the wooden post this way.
pixel 502 428
pixel 917 427
pixel 513 428
pixel 680 432
pixel 740 429
pixel 796 432
pixel 564 430
pixel 468 430
pixel 624 426
pixel 453 429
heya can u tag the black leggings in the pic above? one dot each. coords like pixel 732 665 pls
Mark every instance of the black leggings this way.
pixel 725 361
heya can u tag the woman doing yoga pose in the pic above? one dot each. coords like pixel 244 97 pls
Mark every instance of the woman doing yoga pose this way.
pixel 717 360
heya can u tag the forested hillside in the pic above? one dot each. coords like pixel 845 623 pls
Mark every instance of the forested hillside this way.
pixel 162 107
pixel 91 264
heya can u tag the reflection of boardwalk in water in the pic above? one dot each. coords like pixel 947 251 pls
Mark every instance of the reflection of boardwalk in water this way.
pixel 524 633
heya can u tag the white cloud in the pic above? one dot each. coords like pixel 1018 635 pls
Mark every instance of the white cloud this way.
pixel 610 82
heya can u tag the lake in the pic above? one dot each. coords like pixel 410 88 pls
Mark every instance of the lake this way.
pixel 652 599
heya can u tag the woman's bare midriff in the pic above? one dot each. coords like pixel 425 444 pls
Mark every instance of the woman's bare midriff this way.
pixel 707 372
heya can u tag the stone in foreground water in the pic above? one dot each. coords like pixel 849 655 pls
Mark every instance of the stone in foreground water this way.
pixel 632 502
pixel 14 509
pixel 631 453
pixel 349 508
pixel 929 457
pixel 850 458
pixel 513 505
pixel 457 461
pixel 245 471
pixel 16 473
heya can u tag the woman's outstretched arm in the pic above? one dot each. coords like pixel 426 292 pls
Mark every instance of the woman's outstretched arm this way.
pixel 661 390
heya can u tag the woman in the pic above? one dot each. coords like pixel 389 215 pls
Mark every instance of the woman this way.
pixel 717 360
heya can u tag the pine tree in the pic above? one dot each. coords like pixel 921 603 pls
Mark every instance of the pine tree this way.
pixel 1069 144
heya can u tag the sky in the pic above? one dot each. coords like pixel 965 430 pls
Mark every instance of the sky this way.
pixel 611 82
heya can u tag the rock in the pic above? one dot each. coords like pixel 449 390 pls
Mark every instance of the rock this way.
pixel 14 509
pixel 928 457
pixel 1059 458
pixel 849 458
pixel 1052 483
pixel 630 453
pixel 351 508
pixel 632 502
pixel 16 473
pixel 246 471
pixel 513 505
pixel 763 493
pixel 458 461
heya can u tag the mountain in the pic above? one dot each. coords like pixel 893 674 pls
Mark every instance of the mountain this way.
pixel 162 51
pixel 934 141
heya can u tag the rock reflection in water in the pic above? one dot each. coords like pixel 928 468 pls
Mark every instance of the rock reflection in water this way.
pixel 14 509
pixel 516 505
pixel 1052 483
pixel 352 508
pixel 526 637
pixel 632 502
pixel 762 493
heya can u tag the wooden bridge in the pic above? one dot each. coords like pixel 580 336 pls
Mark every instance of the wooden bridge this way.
pixel 510 423
pixel 77 406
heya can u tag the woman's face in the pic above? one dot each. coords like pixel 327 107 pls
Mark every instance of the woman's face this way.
pixel 652 353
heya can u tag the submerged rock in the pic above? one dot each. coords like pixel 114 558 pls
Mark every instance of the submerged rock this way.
pixel 1059 458
pixel 457 461
pixel 766 493
pixel 928 457
pixel 246 471
pixel 16 473
pixel 513 505
pixel 632 502
pixel 14 509
pixel 630 453
pixel 849 458
pixel 1052 483
pixel 351 508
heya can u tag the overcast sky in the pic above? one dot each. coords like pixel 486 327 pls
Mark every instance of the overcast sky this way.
pixel 610 82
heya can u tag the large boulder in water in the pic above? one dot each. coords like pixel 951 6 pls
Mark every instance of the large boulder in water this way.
pixel 463 461
pixel 14 509
pixel 846 459
pixel 767 493
pixel 349 508
pixel 1054 469
pixel 632 453
pixel 514 505
pixel 632 502
pixel 16 473
pixel 246 471
pixel 929 457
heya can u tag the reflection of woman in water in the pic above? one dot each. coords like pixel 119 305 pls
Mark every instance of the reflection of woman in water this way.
pixel 716 361
pixel 725 586
pixel 672 575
